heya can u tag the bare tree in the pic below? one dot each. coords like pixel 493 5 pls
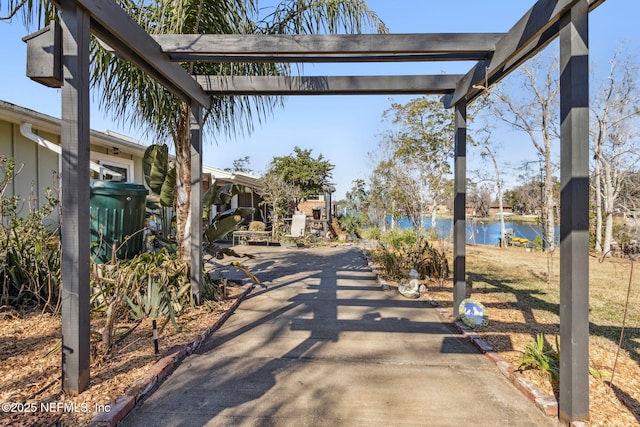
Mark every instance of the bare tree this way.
pixel 615 114
pixel 488 152
pixel 535 111
pixel 416 158
pixel 525 198
pixel 479 198
pixel 277 193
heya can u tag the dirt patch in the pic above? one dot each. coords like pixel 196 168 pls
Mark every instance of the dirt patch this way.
pixel 30 356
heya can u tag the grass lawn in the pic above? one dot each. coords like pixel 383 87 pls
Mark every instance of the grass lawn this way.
pixel 521 302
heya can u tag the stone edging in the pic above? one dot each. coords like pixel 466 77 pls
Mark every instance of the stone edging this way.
pixel 543 401
pixel 160 370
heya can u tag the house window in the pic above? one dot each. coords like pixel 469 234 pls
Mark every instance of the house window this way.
pixel 116 164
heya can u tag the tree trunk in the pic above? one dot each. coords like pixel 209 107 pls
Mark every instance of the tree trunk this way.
pixel 434 217
pixel 183 184
pixel 609 198
pixel 549 225
pixel 503 231
pixel 598 194
pixel 549 208
pixel 608 232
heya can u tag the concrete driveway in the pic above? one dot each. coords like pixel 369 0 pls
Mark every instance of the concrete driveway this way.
pixel 323 345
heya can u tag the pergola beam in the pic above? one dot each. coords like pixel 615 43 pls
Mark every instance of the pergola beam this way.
pixel 112 25
pixel 537 28
pixel 328 47
pixel 329 85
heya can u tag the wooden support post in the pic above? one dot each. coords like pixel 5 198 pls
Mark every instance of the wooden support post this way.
pixel 196 202
pixel 459 202
pixel 574 214
pixel 75 198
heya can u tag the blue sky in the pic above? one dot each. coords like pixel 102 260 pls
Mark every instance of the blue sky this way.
pixel 344 129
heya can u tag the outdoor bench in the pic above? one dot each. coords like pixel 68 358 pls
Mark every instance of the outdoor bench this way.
pixel 244 236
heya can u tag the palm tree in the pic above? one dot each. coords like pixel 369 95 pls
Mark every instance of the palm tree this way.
pixel 134 98
pixel 131 96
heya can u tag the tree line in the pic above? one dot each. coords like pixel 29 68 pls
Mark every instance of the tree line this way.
pixel 412 166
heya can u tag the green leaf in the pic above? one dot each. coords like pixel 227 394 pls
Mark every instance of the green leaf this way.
pixel 221 196
pixel 242 211
pixel 156 166
pixel 168 192
pixel 220 227
pixel 231 252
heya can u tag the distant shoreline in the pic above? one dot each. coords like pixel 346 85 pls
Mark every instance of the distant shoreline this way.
pixel 508 217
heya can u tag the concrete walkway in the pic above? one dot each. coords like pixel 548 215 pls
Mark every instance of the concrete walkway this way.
pixel 323 345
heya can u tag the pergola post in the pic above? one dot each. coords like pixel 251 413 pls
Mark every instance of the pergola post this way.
pixel 75 198
pixel 574 214
pixel 196 201
pixel 459 204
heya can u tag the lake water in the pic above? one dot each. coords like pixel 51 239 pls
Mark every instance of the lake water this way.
pixel 482 232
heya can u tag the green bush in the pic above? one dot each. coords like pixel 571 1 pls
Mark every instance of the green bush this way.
pixel 353 223
pixel 397 238
pixel 151 285
pixel 537 242
pixel 540 355
pixel 372 233
pixel 29 251
pixel 399 252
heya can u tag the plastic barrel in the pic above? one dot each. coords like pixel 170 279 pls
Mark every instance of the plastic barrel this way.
pixel 117 211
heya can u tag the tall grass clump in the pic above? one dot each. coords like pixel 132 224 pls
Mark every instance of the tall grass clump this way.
pixel 29 250
pixel 400 250
pixel 372 233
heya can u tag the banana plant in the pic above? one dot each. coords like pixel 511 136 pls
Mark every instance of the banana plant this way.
pixel 159 174
pixel 222 195
pixel 160 177
pixel 225 222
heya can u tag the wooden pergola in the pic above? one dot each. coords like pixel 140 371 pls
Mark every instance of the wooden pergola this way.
pixel 496 55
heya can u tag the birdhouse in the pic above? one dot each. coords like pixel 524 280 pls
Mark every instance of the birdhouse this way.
pixel 44 55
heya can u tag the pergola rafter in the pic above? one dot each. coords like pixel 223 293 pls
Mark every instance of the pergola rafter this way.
pixel 122 35
pixel 497 55
pixel 329 85
pixel 328 47
pixel 535 30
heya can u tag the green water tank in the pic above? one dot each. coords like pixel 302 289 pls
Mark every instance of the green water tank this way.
pixel 117 211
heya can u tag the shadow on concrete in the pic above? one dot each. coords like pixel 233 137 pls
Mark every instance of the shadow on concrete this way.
pixel 292 344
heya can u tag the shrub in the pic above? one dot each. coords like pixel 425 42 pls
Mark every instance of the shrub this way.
pixel 29 251
pixel 537 242
pixel 398 238
pixel 352 223
pixel 151 285
pixel 540 355
pixel 399 252
pixel 372 233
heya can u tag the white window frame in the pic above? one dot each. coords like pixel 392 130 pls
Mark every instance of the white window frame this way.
pixel 106 160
